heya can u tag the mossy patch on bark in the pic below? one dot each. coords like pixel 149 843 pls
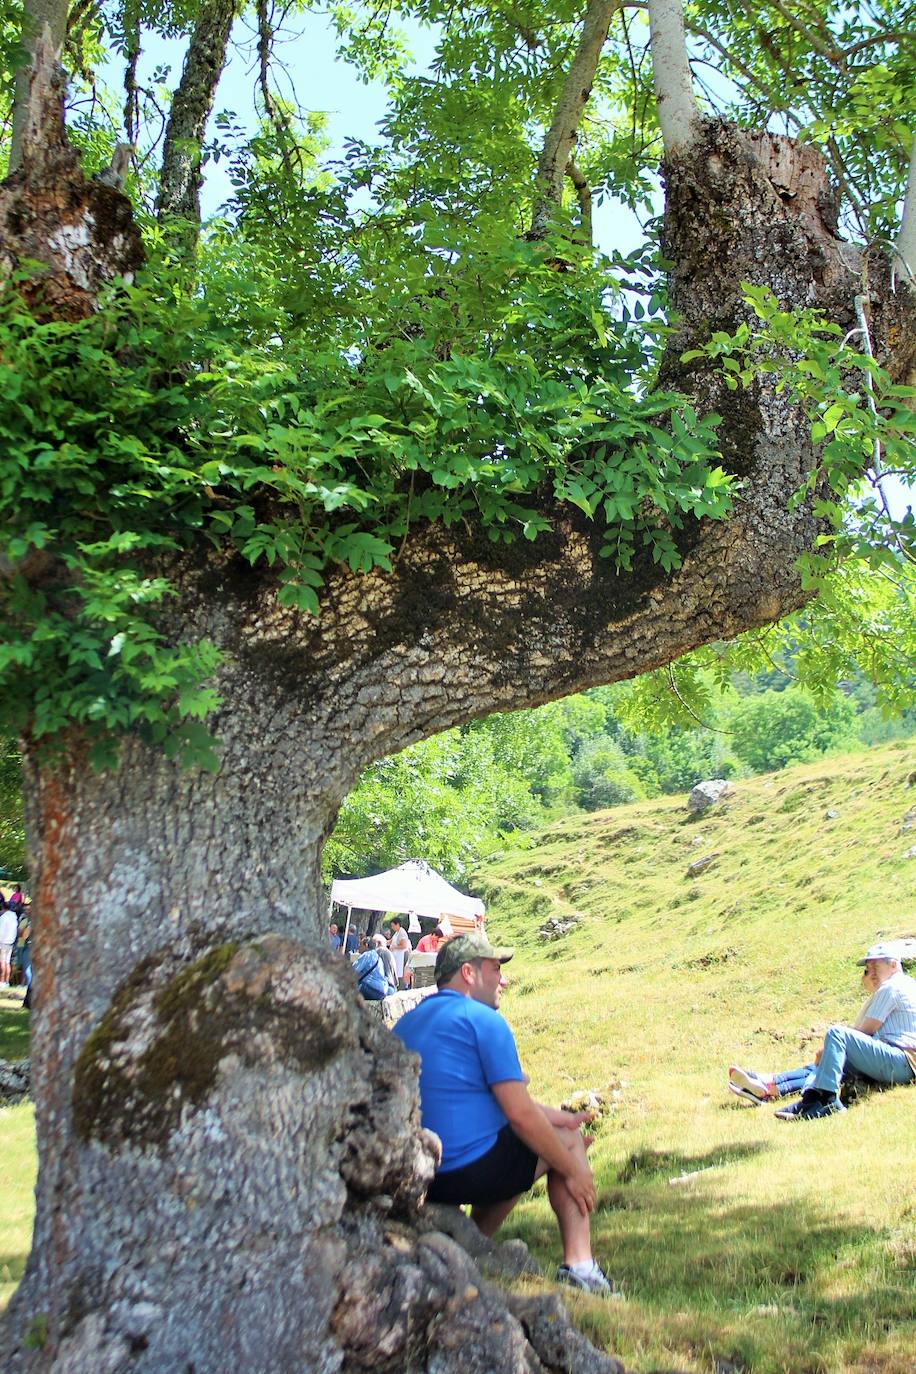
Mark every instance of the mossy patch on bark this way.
pixel 158 1048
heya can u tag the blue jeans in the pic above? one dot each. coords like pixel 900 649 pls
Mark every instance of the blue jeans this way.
pixel 794 1080
pixel 846 1047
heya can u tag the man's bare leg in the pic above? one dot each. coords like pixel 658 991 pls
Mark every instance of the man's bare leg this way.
pixel 575 1229
pixel 489 1218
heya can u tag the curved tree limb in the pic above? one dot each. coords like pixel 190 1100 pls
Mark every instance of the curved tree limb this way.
pixel 561 136
pixel 678 114
pixel 180 180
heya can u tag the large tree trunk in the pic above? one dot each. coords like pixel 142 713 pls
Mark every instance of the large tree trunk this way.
pixel 230 1150
pixel 230 1153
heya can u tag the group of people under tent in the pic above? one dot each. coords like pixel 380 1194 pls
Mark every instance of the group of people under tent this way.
pixel 496 1140
pixel 383 966
pixel 382 961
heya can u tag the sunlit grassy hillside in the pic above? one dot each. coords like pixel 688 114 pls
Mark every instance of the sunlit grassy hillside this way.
pixel 741 1244
pixel 787 1246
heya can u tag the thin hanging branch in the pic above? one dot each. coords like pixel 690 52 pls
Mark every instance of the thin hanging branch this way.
pixel 83 15
pixel 180 179
pixel 282 124
pixel 132 54
pixel 561 136
pixel 821 40
pixel 678 112
pixel 265 47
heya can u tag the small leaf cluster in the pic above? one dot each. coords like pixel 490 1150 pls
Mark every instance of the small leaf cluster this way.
pixel 94 490
pixel 862 425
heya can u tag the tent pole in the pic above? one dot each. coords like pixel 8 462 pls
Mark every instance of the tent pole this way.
pixel 346 931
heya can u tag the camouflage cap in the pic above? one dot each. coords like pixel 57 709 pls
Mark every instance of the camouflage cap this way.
pixel 465 949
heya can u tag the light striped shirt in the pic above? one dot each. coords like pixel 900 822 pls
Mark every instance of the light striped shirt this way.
pixel 894 1005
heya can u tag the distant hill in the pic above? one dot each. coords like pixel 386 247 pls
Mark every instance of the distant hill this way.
pixel 806 868
pixel 788 1247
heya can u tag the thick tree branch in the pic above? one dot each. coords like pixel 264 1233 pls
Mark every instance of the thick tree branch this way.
pixel 180 179
pixel 905 247
pixel 678 114
pixel 40 15
pixel 561 136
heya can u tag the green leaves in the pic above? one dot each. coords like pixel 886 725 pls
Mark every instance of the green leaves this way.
pixel 152 426
pixel 859 421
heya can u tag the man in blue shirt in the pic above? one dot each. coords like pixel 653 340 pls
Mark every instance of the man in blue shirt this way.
pixel 496 1140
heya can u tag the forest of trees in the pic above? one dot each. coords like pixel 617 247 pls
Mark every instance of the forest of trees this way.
pixel 455 798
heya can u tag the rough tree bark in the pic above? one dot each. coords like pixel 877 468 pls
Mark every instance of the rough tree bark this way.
pixel 42 15
pixel 180 177
pixel 230 1153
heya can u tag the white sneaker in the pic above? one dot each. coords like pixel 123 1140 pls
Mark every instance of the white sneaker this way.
pixel 593 1281
pixel 747 1085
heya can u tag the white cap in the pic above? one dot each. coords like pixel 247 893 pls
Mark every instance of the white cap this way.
pixel 887 950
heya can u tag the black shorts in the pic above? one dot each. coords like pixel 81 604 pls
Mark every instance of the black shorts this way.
pixel 507 1169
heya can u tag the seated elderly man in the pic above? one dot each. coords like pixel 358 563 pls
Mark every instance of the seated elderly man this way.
pixel 496 1140
pixel 881 1045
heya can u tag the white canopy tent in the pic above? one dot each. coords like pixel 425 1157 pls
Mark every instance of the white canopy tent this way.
pixel 413 888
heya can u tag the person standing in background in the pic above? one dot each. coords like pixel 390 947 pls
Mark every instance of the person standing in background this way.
pixel 399 944
pixel 9 926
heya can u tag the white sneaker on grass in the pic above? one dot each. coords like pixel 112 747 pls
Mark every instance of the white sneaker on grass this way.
pixel 590 1278
pixel 748 1085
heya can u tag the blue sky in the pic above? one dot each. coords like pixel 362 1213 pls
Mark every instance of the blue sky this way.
pixel 324 84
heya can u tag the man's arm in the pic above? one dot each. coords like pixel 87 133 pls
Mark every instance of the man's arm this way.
pixel 568 1120
pixel 867 1025
pixel 531 1125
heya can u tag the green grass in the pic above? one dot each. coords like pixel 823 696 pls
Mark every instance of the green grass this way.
pixel 791 1247
pixel 788 1247
pixel 18 1162
pixel 14 1025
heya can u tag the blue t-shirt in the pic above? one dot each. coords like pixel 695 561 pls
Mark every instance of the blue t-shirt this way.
pixel 463 1046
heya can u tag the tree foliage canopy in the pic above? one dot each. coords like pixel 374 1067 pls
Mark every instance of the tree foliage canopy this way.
pixel 361 341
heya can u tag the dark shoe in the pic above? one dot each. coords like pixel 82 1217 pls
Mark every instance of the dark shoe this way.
pixel 814 1104
pixel 595 1282
pixel 788 1113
